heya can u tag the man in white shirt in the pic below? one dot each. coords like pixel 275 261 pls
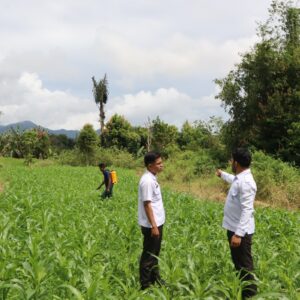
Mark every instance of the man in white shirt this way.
pixel 151 217
pixel 239 216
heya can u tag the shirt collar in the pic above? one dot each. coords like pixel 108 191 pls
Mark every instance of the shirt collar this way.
pixel 151 174
pixel 245 172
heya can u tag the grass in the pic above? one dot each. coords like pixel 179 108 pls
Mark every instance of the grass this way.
pixel 58 240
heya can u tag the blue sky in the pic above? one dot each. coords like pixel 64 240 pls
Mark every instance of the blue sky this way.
pixel 161 57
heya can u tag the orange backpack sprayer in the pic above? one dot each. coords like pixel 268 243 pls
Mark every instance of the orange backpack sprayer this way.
pixel 114 178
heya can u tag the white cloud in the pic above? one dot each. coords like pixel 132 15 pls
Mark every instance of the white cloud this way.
pixel 54 109
pixel 176 57
pixel 169 104
pixel 50 49
pixel 60 109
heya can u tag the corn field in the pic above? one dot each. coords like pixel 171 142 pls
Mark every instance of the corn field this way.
pixel 60 240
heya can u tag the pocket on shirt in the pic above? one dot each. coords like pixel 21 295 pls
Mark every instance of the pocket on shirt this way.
pixel 156 193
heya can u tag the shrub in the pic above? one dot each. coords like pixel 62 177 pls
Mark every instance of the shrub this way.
pixel 276 180
pixel 87 143
pixel 187 165
pixel 114 157
pixel 71 158
pixel 117 158
pixel 204 164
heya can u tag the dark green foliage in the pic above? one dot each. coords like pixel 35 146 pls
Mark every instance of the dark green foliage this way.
pixel 262 94
pixel 41 148
pixel 61 142
pixel 194 136
pixel 110 156
pixel 189 165
pixel 12 144
pixel 119 134
pixel 204 135
pixel 277 182
pixel 29 143
pixel 87 142
pixel 164 137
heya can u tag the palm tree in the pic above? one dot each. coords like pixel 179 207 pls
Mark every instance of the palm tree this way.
pixel 100 91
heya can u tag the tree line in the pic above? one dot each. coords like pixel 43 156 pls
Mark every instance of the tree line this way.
pixel 118 134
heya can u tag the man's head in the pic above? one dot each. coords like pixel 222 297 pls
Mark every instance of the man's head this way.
pixel 102 166
pixel 153 162
pixel 241 159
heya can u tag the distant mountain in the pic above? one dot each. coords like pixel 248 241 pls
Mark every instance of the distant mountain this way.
pixel 30 125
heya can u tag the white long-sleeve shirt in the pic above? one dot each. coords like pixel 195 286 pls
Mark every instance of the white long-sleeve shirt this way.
pixel 239 206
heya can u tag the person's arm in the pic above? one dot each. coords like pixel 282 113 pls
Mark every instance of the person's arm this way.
pixel 150 216
pixel 225 176
pixel 99 187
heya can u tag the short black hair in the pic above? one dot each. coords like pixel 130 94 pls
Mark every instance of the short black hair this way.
pixel 151 157
pixel 242 156
pixel 101 165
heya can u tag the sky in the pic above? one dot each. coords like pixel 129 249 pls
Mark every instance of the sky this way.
pixel 161 58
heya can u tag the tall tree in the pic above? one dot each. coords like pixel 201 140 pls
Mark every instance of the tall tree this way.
pixel 200 134
pixel 262 93
pixel 87 142
pixel 148 126
pixel 164 137
pixel 100 90
pixel 121 135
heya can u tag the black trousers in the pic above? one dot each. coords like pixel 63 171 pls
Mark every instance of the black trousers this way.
pixel 149 270
pixel 243 262
pixel 108 194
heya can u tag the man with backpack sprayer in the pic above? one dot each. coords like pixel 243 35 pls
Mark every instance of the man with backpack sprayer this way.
pixel 109 179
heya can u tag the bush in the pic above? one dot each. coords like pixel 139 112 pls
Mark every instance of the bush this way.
pixel 188 165
pixel 71 158
pixel 204 164
pixel 111 157
pixel 117 158
pixel 276 180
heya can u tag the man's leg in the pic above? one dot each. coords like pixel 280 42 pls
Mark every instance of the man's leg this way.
pixel 111 191
pixel 105 194
pixel 149 272
pixel 243 262
pixel 155 275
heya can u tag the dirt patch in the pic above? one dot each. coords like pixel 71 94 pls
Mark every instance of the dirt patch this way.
pixel 1 187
